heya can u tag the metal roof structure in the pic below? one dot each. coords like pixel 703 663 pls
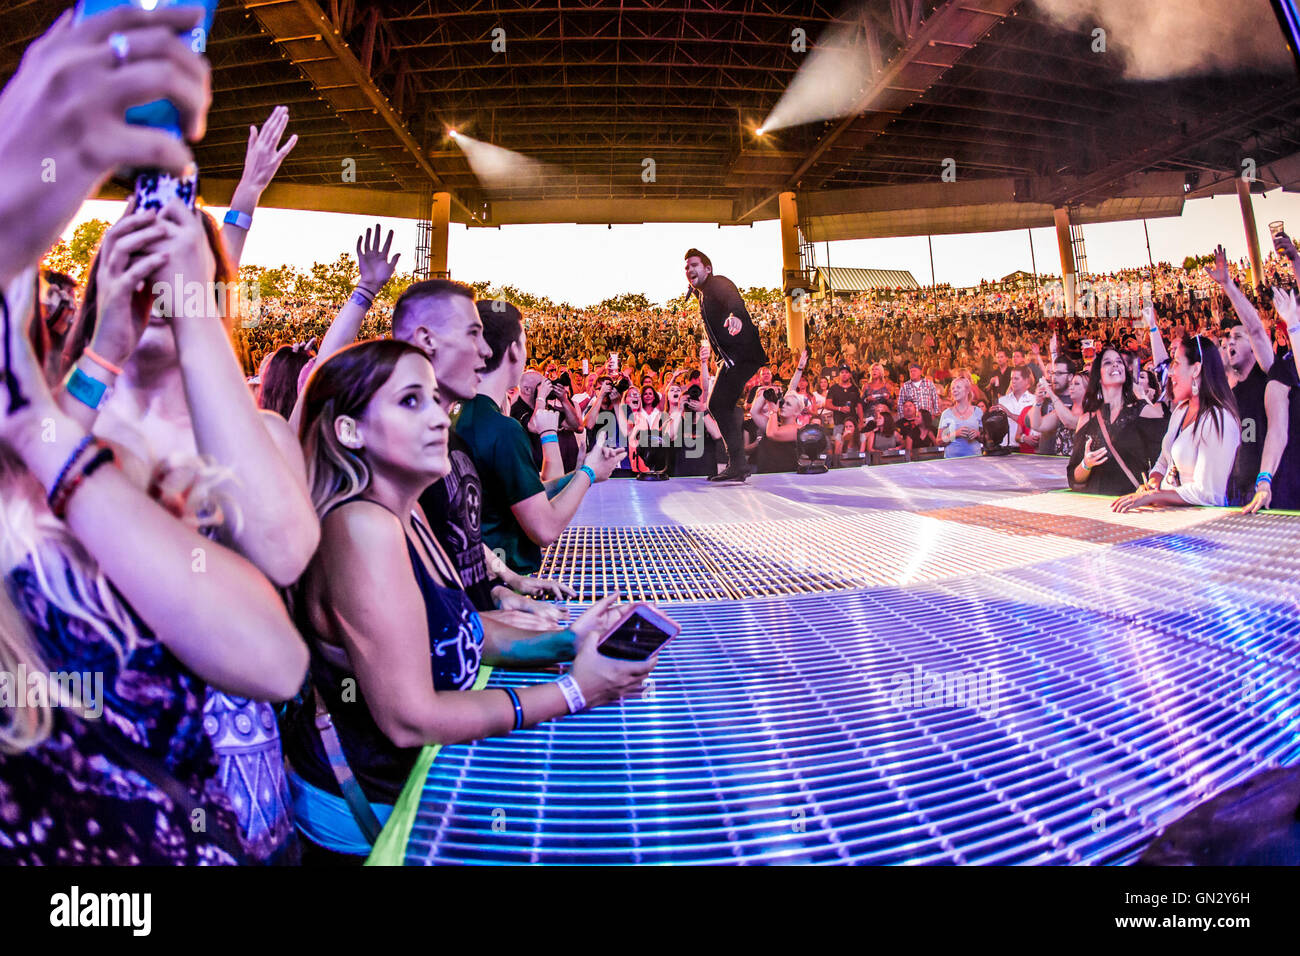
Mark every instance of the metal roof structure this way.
pixel 594 88
pixel 842 279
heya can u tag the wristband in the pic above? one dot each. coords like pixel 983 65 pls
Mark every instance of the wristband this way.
pixel 519 708
pixel 67 466
pixel 591 475
pixel 64 493
pixel 99 360
pixel 241 220
pixel 1265 477
pixel 90 391
pixel 361 297
pixel 572 693
pixel 550 438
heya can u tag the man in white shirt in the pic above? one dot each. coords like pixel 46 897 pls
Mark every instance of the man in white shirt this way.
pixel 1016 401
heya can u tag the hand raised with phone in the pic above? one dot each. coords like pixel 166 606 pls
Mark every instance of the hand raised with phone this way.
pixel 129 255
pixel 64 112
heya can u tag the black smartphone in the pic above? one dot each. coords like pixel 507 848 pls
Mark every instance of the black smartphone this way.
pixel 640 633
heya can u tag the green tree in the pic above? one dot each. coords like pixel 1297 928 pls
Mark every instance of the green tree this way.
pixel 394 287
pixel 85 240
pixel 73 256
pixel 59 258
pixel 762 296
pixel 626 302
pixel 334 281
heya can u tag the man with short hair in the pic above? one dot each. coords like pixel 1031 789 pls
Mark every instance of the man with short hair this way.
pixel 919 390
pixel 1016 401
pixel 998 383
pixel 739 349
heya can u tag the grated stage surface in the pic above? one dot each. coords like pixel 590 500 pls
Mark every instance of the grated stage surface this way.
pixel 1061 708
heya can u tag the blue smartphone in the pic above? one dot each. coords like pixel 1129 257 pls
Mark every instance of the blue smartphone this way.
pixel 160 114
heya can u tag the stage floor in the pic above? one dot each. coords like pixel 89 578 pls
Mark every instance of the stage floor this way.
pixel 944 662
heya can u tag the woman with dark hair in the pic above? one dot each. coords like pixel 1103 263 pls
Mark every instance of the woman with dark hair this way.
pixel 1118 435
pixel 1201 442
pixel 279 391
pixel 395 642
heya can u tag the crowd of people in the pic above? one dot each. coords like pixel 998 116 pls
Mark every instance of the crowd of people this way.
pixel 317 563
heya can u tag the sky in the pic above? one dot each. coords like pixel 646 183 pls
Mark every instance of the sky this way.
pixel 584 264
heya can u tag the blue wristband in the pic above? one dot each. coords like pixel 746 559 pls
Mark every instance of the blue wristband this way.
pixel 590 474
pixel 1264 476
pixel 519 708
pixel 550 438
pixel 361 298
pixel 241 219
pixel 86 389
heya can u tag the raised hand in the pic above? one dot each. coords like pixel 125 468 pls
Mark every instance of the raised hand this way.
pixel 732 325
pixel 1287 305
pixel 1219 271
pixel 64 112
pixel 189 260
pixel 376 267
pixel 127 258
pixel 543 420
pixel 265 154
pixel 1283 244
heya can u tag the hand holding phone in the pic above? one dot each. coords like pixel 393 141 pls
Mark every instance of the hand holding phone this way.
pixel 604 678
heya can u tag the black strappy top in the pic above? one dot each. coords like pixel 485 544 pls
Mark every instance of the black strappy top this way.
pixel 455 650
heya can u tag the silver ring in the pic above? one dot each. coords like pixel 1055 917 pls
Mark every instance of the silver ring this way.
pixel 121 48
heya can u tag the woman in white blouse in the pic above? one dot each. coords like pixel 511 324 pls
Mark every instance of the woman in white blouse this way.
pixel 1204 433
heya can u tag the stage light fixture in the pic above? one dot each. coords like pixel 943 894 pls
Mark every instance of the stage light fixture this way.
pixel 811 444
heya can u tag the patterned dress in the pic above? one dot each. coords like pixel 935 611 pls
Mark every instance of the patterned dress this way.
pixel 67 801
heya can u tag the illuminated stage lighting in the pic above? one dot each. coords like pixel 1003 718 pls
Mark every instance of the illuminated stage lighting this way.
pixel 811 709
pixel 497 167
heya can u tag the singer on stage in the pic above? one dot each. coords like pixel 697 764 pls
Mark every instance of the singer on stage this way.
pixel 735 341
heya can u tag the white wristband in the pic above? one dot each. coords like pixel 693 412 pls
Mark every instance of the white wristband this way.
pixel 572 693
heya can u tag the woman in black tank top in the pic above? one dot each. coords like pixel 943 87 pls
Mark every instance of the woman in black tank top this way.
pixel 396 644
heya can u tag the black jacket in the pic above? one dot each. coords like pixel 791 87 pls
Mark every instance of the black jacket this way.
pixel 720 298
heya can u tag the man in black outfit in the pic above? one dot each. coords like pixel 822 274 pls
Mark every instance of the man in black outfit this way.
pixel 735 341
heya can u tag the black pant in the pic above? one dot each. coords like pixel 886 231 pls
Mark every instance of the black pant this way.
pixel 722 406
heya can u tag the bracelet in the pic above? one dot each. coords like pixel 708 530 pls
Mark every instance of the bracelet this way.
pixel 591 475
pixel 361 297
pixel 67 466
pixel 572 693
pixel 519 708
pixel 240 219
pixel 1265 477
pixel 99 360
pixel 86 389
pixel 65 492
pixel 550 438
